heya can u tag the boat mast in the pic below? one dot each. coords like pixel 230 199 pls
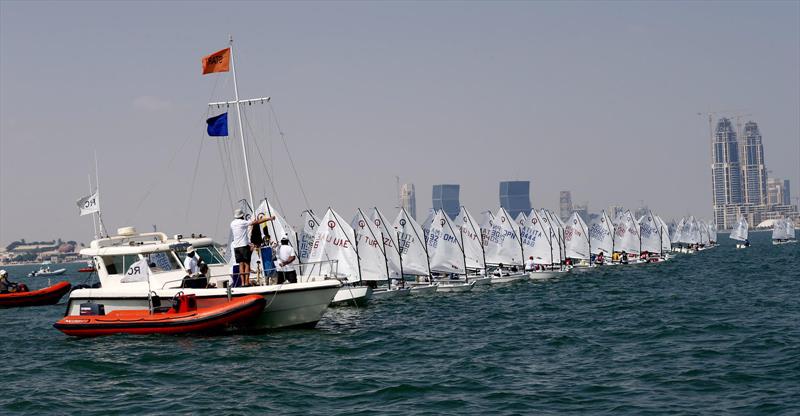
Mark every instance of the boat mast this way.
pixel 94 214
pixel 239 118
pixel 102 229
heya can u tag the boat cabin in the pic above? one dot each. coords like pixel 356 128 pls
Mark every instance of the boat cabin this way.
pixel 114 255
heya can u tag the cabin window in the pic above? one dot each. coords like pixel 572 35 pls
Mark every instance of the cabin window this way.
pixel 210 255
pixel 162 261
pixel 119 264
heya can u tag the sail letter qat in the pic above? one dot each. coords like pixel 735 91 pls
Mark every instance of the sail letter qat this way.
pixel 218 125
pixel 89 204
pixel 219 61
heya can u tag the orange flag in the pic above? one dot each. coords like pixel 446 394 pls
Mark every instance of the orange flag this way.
pixel 217 62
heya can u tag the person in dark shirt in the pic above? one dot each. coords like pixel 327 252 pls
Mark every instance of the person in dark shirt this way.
pixel 5 285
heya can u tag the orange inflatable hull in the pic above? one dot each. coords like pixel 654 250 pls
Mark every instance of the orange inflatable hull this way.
pixel 47 296
pixel 238 311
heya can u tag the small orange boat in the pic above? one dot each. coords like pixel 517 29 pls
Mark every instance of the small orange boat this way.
pixel 47 296
pixel 181 318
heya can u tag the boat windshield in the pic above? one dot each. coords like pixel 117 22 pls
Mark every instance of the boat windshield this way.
pixel 162 261
pixel 209 254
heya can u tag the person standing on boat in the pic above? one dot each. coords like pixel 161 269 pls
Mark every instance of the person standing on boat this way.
pixel 529 264
pixel 242 249
pixel 190 263
pixel 286 256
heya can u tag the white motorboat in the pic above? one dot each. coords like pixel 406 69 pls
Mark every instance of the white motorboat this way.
pixel 133 268
pixel 46 271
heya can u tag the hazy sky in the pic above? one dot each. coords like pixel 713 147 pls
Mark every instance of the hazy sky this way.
pixel 598 98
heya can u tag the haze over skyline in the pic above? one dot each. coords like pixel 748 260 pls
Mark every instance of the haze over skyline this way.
pixel 597 98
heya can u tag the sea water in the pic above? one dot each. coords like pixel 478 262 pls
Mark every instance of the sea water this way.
pixel 716 332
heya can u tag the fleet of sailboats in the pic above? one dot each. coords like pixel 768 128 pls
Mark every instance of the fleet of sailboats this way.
pixel 370 257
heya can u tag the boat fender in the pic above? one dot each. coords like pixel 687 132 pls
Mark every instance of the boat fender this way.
pixel 92 309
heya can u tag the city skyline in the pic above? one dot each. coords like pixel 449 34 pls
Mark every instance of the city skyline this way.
pixel 564 95
pixel 739 178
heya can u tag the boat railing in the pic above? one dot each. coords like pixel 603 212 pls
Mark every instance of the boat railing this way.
pixel 261 277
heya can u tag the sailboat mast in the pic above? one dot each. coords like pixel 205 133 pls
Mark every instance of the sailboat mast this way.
pixel 239 118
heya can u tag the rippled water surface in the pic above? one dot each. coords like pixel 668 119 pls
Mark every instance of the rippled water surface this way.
pixel 713 333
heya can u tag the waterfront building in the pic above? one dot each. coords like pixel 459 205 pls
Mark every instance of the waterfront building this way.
pixel 408 199
pixel 446 198
pixel 754 172
pixel 515 197
pixel 726 171
pixel 565 205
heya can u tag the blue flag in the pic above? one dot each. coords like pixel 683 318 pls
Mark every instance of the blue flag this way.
pixel 218 125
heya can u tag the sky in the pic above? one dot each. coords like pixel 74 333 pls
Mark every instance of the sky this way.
pixel 600 98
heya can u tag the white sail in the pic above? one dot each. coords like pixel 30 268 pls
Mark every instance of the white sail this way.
pixel 279 226
pixel 310 225
pixel 739 231
pixel 601 235
pixel 557 230
pixel 553 256
pixel 649 234
pixel 486 218
pixel 369 247
pixel 677 236
pixel 663 231
pixel 534 243
pixel 693 234
pixel 628 229
pixel 712 231
pixel 705 238
pixel 412 244
pixel 444 246
pixel 521 220
pixel 502 245
pixel 389 235
pixel 780 230
pixel 467 227
pixel 426 225
pixel 790 233
pixel 334 239
pixel 576 237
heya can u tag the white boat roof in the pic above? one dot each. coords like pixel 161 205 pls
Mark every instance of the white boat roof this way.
pixel 131 243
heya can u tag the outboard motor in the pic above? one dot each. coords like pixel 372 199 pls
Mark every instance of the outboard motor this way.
pixel 92 309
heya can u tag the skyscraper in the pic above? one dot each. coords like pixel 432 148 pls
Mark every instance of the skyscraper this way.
pixel 445 197
pixel 565 205
pixel 515 197
pixel 726 171
pixel 787 193
pixel 754 172
pixel 408 199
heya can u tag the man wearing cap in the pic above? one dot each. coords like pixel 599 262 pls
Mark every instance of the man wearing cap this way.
pixel 241 242
pixel 190 263
pixel 286 256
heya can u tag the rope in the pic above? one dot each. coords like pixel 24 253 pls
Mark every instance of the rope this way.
pixel 291 160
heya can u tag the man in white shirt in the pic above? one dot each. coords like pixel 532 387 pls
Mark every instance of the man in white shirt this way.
pixel 241 242
pixel 529 264
pixel 285 257
pixel 190 262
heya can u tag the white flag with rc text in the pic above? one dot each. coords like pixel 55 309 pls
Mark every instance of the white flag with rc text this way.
pixel 89 204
